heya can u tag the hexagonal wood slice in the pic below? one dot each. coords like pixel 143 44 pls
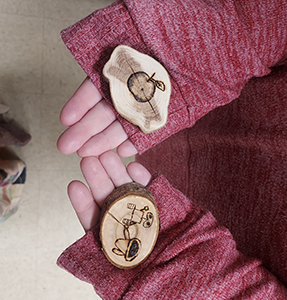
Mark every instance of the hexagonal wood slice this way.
pixel 140 88
pixel 129 226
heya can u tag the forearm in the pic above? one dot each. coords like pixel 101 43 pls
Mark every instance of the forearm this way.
pixel 194 258
pixel 209 51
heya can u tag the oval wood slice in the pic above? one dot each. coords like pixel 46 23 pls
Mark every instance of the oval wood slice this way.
pixel 129 226
pixel 140 88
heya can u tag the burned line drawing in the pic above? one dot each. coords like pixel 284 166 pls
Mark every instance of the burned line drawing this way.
pixel 143 87
pixel 129 246
pixel 140 88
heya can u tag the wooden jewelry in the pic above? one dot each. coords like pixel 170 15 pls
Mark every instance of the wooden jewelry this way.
pixel 129 226
pixel 140 88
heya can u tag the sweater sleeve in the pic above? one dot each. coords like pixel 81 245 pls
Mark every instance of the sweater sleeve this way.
pixel 194 258
pixel 209 48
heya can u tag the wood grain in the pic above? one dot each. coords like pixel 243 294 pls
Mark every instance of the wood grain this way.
pixel 129 226
pixel 140 88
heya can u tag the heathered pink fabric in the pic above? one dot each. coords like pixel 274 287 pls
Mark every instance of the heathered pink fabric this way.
pixel 194 258
pixel 203 46
pixel 232 162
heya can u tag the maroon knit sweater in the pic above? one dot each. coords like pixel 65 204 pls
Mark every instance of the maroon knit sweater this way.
pixel 232 162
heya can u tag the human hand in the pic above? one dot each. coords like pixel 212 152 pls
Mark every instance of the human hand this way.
pixel 103 175
pixel 92 125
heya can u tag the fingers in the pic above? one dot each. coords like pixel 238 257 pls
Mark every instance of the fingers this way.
pixel 95 121
pixel 127 149
pixel 106 140
pixel 103 175
pixel 139 173
pixel 97 178
pixel 92 132
pixel 115 168
pixel 92 127
pixel 86 97
pixel 84 205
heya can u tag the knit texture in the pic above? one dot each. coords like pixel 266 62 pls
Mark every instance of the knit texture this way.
pixel 232 161
pixel 203 46
pixel 194 258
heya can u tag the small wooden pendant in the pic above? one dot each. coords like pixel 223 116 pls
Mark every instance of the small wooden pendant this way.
pixel 129 226
pixel 140 88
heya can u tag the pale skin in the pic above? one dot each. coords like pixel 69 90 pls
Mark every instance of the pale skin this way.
pixel 92 132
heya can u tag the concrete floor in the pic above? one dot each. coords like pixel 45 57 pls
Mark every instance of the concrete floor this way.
pixel 37 76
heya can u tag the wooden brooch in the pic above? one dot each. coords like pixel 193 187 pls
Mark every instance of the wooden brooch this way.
pixel 129 226
pixel 140 88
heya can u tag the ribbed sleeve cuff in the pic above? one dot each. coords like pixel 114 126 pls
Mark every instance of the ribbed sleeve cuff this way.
pixel 85 260
pixel 91 42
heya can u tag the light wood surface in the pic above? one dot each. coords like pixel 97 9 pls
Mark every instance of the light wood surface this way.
pixel 140 88
pixel 129 226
